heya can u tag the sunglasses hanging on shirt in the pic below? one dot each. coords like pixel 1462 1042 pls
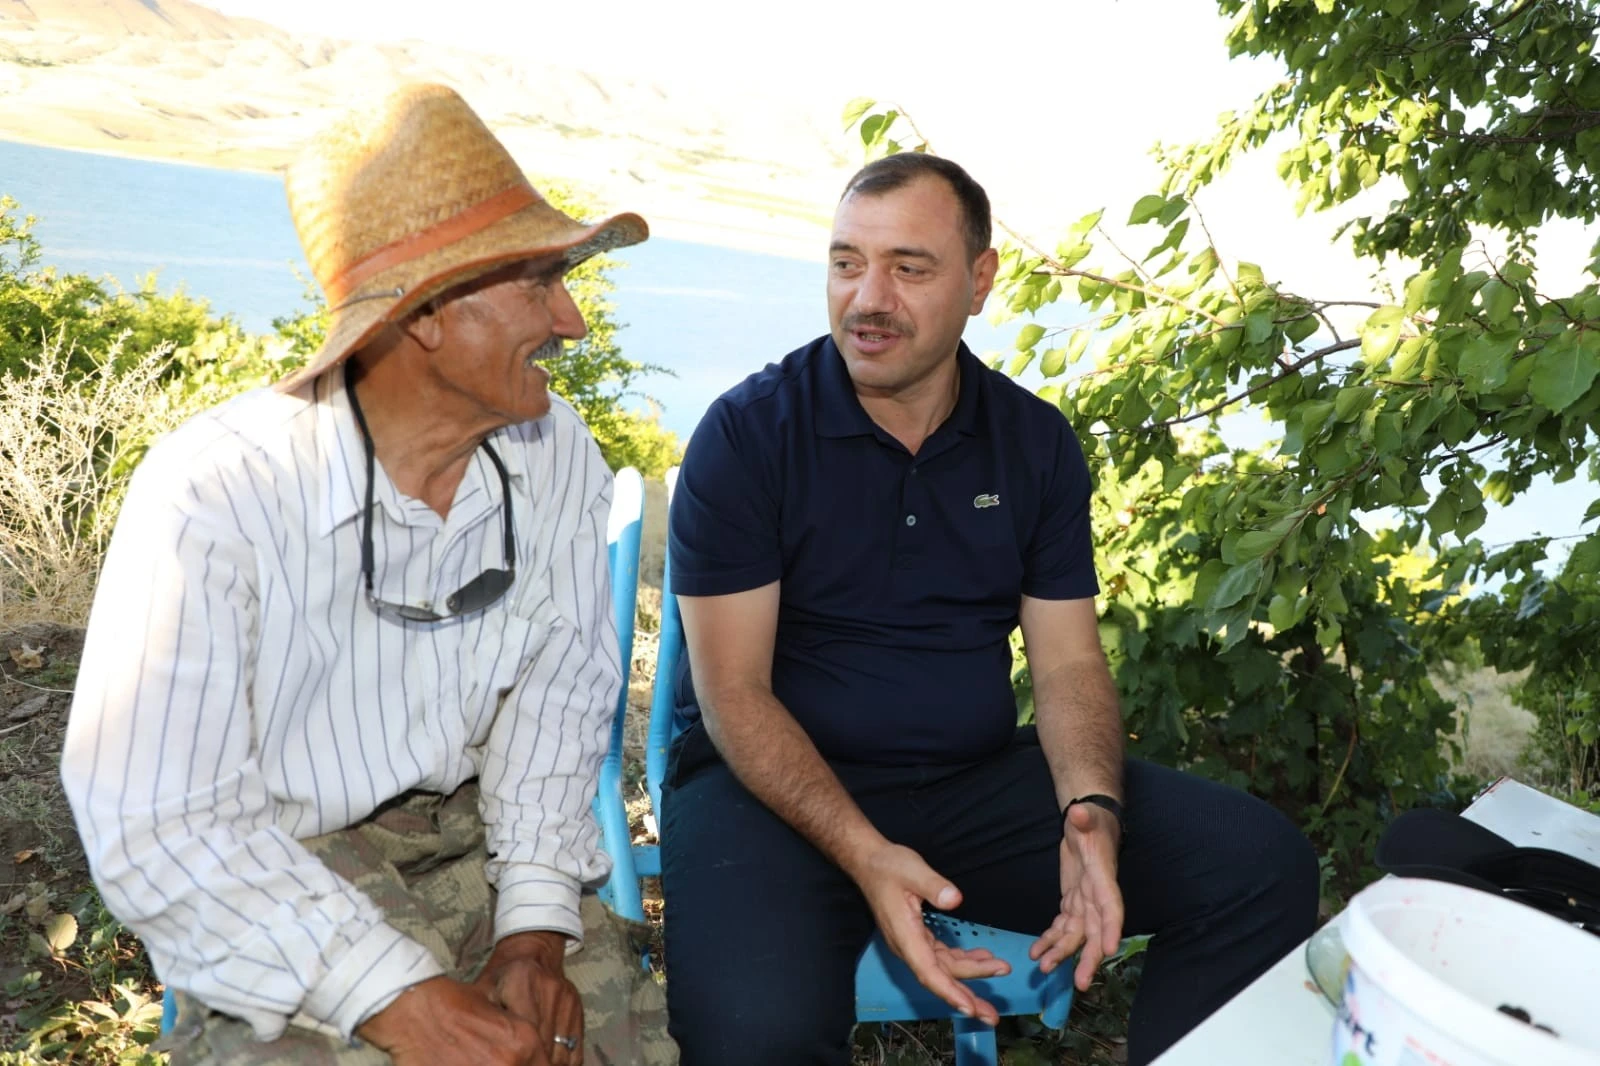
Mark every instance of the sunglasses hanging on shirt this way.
pixel 470 598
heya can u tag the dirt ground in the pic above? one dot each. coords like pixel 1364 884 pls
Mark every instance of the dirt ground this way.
pixel 45 890
pixel 37 841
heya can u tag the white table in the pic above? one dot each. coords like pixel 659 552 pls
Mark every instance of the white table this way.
pixel 1282 1020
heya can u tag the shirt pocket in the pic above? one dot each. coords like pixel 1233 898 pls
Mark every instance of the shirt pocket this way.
pixel 492 664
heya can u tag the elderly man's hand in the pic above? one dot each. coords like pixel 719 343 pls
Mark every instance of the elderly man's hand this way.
pixel 525 975
pixel 443 1020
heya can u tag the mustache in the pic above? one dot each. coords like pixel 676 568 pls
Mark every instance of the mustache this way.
pixel 550 349
pixel 883 322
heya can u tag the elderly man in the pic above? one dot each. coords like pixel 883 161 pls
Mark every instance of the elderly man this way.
pixel 351 666
pixel 855 534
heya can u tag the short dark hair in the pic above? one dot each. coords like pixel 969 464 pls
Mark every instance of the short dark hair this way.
pixel 901 169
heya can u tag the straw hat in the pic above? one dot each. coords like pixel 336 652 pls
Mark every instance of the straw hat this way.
pixel 397 203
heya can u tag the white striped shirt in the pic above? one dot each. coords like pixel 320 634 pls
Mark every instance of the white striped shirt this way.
pixel 237 693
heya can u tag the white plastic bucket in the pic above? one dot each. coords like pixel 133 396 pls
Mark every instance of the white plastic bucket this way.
pixel 1431 963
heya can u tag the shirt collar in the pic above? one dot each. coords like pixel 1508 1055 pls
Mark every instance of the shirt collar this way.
pixel 343 457
pixel 340 451
pixel 840 414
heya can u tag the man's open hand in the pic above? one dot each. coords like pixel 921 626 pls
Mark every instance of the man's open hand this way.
pixel 525 975
pixel 443 1020
pixel 1091 902
pixel 896 882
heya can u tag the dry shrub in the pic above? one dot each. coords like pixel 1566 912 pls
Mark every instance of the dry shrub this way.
pixel 68 443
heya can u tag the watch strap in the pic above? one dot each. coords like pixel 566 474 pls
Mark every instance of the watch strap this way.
pixel 1097 799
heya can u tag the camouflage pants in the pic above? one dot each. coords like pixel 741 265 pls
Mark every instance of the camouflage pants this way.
pixel 421 860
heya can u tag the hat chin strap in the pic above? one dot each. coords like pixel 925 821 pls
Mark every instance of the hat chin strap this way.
pixel 459 226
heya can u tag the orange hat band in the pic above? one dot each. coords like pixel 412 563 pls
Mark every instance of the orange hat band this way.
pixel 457 227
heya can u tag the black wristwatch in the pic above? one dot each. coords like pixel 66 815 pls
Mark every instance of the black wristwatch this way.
pixel 1100 800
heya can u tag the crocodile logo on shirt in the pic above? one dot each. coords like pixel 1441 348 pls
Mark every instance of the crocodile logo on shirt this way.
pixel 983 500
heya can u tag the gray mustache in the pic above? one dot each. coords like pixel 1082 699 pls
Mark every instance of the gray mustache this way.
pixel 550 349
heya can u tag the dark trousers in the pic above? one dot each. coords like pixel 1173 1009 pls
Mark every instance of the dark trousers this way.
pixel 763 932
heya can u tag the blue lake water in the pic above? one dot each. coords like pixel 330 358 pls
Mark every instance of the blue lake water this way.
pixel 712 315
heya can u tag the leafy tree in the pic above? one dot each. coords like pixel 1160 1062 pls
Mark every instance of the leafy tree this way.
pixel 1265 610
pixel 39 306
pixel 1557 625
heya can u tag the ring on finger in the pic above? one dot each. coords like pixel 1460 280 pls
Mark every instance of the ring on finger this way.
pixel 568 1042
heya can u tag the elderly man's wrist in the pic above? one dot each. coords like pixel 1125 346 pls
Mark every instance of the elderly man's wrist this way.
pixel 543 946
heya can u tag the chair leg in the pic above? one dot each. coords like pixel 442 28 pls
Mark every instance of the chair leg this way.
pixel 975 1044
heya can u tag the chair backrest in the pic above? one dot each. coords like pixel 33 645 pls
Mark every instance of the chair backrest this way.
pixel 624 527
pixel 623 530
pixel 669 653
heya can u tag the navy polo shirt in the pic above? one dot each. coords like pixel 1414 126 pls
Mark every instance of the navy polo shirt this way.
pixel 902 575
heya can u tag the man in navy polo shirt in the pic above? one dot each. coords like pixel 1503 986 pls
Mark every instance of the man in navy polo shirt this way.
pixel 855 533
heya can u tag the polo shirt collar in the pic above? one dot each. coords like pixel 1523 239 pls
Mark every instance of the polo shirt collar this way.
pixel 840 414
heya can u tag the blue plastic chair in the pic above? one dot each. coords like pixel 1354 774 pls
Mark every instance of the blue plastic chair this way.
pixel 886 990
pixel 622 540
pixel 623 529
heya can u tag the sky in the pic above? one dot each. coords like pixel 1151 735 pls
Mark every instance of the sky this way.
pixel 1052 106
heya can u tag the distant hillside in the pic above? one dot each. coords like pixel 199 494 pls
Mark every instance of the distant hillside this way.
pixel 177 20
pixel 172 79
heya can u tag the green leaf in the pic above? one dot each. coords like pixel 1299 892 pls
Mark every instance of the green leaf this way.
pixel 1562 376
pixel 1444 514
pixel 1258 327
pixel 1333 601
pixel 1236 584
pixel 1077 345
pixel 1147 208
pixel 1176 206
pixel 1497 487
pixel 1255 544
pixel 1585 557
pixel 1028 336
pixel 1087 223
pixel 875 126
pixel 1353 401
pixel 1313 416
pixel 1053 362
pixel 1499 301
pixel 1299 329
pixel 856 108
pixel 1281 613
pixel 1487 361
pixel 1408 359
pixel 1380 333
